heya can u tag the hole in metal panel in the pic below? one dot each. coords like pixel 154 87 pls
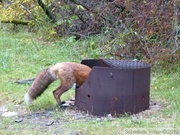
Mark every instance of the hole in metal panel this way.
pixel 143 97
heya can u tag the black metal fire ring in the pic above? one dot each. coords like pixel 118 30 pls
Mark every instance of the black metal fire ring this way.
pixel 126 64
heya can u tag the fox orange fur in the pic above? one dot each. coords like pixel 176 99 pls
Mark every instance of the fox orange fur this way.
pixel 68 73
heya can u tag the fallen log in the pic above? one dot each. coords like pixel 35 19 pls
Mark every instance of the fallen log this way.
pixel 26 81
pixel 16 22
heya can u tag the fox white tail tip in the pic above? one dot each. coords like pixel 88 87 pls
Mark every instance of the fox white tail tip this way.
pixel 28 99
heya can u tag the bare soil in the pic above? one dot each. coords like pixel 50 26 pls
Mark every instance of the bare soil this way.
pixel 55 120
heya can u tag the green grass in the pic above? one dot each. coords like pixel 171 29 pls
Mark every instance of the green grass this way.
pixel 24 54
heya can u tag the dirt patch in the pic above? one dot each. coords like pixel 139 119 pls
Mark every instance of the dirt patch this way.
pixel 72 111
pixel 54 120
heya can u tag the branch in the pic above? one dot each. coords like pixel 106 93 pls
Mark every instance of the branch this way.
pixel 96 12
pixel 45 9
pixel 77 2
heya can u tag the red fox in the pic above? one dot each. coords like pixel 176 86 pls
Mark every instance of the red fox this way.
pixel 68 73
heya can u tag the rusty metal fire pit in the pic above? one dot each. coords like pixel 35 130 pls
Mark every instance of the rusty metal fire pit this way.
pixel 114 87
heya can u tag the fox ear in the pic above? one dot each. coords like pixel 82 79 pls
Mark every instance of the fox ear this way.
pixel 28 99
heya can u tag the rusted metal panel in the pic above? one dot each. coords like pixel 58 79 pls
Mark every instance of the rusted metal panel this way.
pixel 114 87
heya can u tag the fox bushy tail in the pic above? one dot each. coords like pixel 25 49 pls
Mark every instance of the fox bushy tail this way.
pixel 41 82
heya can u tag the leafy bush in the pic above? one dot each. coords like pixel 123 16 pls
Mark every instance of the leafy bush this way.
pixel 127 29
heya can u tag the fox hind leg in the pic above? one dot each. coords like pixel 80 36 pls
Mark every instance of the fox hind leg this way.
pixel 59 91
